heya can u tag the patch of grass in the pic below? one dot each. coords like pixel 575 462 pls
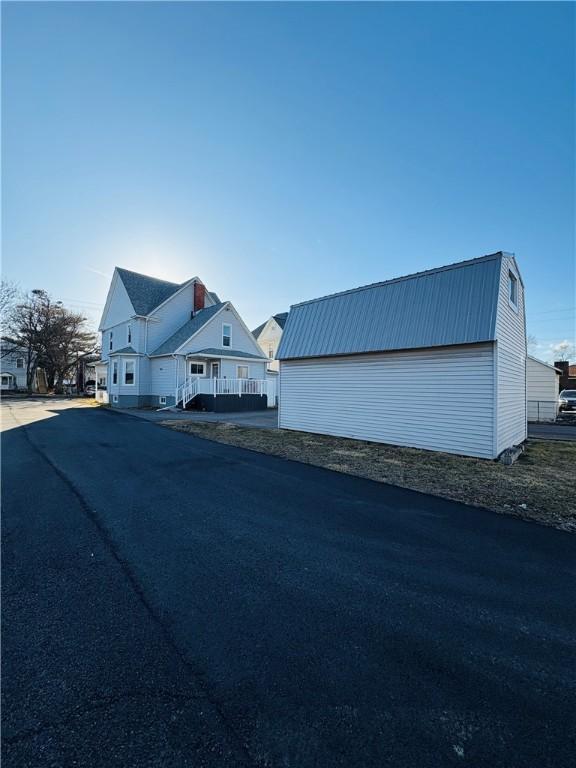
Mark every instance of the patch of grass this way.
pixel 539 486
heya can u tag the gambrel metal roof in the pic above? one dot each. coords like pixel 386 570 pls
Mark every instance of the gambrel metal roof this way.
pixel 455 304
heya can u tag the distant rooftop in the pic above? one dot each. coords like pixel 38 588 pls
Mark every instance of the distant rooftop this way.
pixel 280 319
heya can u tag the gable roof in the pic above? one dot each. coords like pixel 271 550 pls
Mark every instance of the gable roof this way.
pixel 454 304
pixel 537 360
pixel 189 328
pixel 280 319
pixel 124 351
pixel 145 292
pixel 226 352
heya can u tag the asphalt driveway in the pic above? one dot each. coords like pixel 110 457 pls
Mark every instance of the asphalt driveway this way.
pixel 174 602
pixel 266 419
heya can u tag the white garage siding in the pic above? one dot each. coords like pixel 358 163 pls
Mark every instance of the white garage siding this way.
pixel 440 399
pixel 511 363
pixel 542 389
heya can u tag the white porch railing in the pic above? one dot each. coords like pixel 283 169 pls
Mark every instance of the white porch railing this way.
pixel 197 385
pixel 239 387
pixel 187 391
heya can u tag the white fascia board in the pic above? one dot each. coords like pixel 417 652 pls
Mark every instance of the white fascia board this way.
pixel 115 278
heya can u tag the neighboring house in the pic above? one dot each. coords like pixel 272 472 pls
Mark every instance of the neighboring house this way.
pixel 434 360
pixel 268 336
pixel 542 388
pixel 567 374
pixel 166 344
pixel 12 369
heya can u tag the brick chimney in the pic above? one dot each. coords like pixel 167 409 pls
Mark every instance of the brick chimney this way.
pixel 564 366
pixel 199 297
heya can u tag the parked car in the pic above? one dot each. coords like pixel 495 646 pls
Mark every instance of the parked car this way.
pixel 90 390
pixel 567 399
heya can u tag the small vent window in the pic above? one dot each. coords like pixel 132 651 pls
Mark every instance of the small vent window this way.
pixel 163 400
pixel 111 341
pixel 129 334
pixel 513 289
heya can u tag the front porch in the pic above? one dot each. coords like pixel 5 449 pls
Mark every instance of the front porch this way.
pixel 223 381
pixel 223 394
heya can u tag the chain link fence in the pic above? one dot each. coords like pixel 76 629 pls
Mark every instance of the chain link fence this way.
pixel 542 410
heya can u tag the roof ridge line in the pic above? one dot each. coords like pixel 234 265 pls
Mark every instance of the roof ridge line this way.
pixel 434 270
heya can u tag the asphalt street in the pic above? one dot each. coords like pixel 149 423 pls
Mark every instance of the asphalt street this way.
pixel 168 601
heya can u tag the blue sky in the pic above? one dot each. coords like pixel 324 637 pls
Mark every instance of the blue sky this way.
pixel 285 151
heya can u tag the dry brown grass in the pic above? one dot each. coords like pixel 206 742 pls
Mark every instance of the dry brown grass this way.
pixel 539 486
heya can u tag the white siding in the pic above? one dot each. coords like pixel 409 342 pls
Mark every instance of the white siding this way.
pixel 162 376
pixel 171 316
pixel 120 337
pixel 439 399
pixel 256 369
pixel 140 386
pixel 541 390
pixel 510 364
pixel 211 335
pixel 270 339
pixel 118 306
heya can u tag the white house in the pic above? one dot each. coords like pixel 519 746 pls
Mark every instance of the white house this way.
pixel 12 369
pixel 268 336
pixel 166 344
pixel 434 360
pixel 542 389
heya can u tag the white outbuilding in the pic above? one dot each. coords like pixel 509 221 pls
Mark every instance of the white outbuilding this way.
pixel 542 390
pixel 434 360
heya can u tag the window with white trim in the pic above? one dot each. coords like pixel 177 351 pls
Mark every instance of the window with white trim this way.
pixel 513 288
pixel 242 371
pixel 19 362
pixel 226 335
pixel 197 369
pixel 162 399
pixel 129 334
pixel 115 372
pixel 114 398
pixel 271 353
pixel 110 340
pixel 129 372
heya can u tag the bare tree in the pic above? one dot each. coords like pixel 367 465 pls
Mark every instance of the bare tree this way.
pixel 8 294
pixel 49 336
pixel 563 350
pixel 66 342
